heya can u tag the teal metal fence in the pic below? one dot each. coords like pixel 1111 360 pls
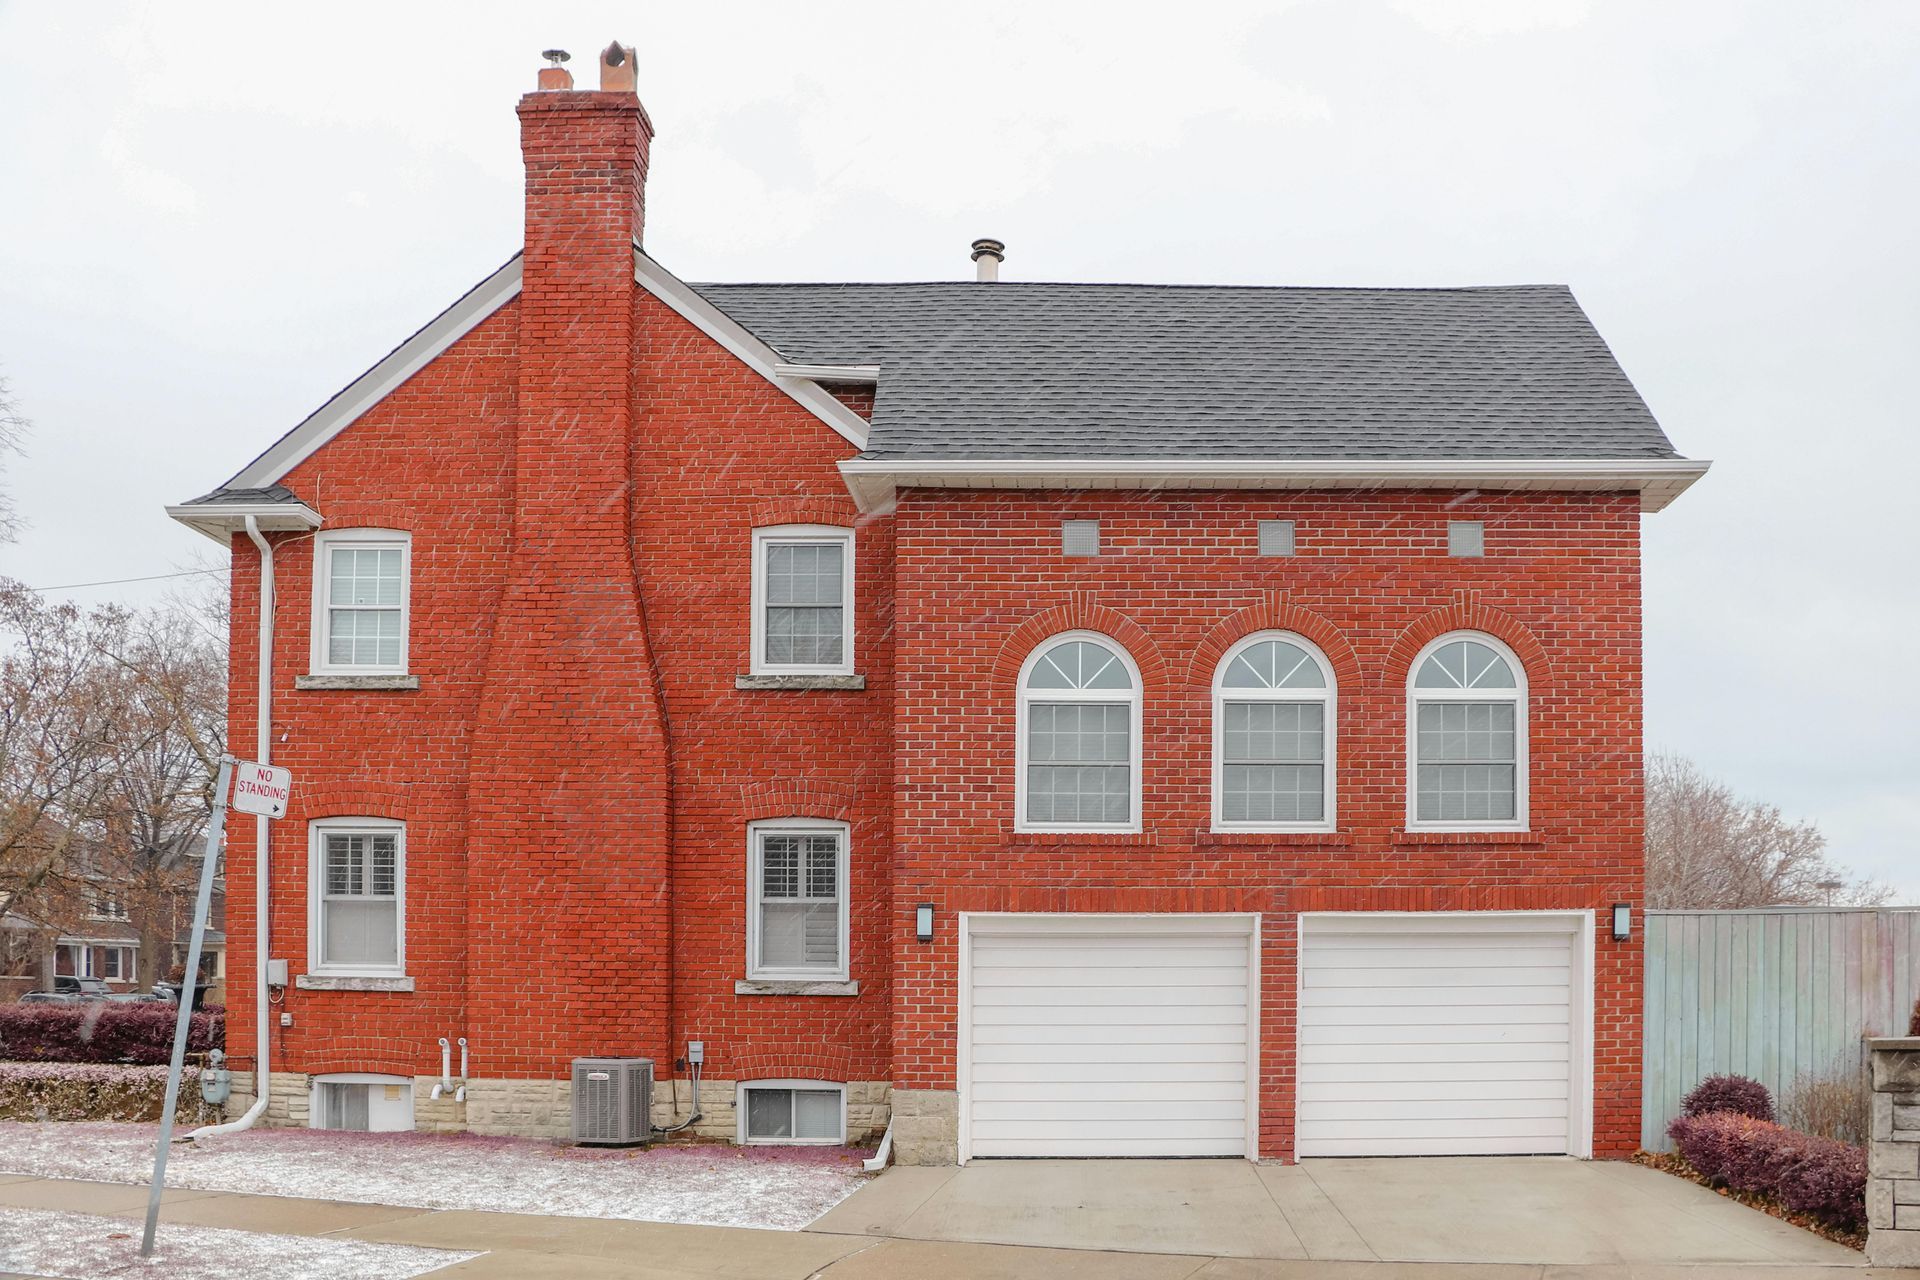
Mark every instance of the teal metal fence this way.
pixel 1774 994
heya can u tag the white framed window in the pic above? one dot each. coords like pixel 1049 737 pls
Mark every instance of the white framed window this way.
pixel 1466 736
pixel 361 1102
pixel 1273 736
pixel 108 907
pixel 792 1112
pixel 797 901
pixel 361 587
pixel 115 964
pixel 1077 746
pixel 356 893
pixel 802 600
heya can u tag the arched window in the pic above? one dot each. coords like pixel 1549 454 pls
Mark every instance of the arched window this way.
pixel 1467 736
pixel 1079 737
pixel 1273 699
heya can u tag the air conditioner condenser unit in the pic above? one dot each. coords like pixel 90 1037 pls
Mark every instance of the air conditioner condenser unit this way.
pixel 613 1101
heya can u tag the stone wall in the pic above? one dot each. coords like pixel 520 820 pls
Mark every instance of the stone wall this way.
pixel 544 1108
pixel 1893 1156
pixel 926 1126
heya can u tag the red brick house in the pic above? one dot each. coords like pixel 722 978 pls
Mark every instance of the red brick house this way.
pixel 1056 719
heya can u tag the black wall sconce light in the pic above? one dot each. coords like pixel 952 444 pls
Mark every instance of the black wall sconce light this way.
pixel 923 922
pixel 1622 922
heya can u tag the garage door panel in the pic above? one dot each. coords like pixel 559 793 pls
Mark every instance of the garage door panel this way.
pixel 1169 1017
pixel 1361 1073
pixel 1184 977
pixel 1108 1069
pixel 1150 1086
pixel 1324 978
pixel 1116 1148
pixel 1430 1090
pixel 1053 996
pixel 1124 1044
pixel 1129 1039
pixel 1422 1036
pixel 1436 996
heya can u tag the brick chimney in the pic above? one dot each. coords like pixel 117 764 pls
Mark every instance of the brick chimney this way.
pixel 568 786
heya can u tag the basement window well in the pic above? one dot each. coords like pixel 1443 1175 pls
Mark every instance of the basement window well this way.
pixel 793 1112
pixel 360 1102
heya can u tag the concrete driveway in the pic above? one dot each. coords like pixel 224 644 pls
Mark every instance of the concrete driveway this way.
pixel 1521 1210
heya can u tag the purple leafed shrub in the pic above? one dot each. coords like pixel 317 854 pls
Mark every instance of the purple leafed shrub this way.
pixel 101 1032
pixel 1729 1093
pixel 1811 1175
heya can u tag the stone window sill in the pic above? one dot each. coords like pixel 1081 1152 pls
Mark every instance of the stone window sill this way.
pixel 332 982
pixel 400 683
pixel 855 683
pixel 759 988
pixel 1530 839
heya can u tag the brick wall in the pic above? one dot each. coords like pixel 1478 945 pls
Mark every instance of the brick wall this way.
pixel 980 582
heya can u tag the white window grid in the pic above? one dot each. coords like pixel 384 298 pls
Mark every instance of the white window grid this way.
pixel 1275 700
pixel 356 861
pixel 787 575
pixel 1485 720
pixel 362 601
pixel 799 874
pixel 1082 716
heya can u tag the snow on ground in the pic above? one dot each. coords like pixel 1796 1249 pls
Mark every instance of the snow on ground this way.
pixel 41 1242
pixel 779 1187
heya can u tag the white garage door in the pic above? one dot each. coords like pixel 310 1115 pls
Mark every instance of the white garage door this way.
pixel 1107 1035
pixel 1443 1035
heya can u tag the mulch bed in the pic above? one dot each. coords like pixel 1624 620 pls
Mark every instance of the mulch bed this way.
pixel 1679 1168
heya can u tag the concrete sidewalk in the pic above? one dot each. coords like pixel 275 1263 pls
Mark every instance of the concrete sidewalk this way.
pixel 546 1248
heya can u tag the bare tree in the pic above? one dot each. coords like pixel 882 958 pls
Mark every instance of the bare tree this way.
pixel 112 724
pixel 13 436
pixel 1707 847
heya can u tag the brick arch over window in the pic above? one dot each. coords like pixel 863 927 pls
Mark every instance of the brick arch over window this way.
pixel 1079 613
pixel 789 1062
pixel 379 1055
pixel 357 799
pixel 1272 614
pixel 798 798
pixel 1468 614
pixel 805 510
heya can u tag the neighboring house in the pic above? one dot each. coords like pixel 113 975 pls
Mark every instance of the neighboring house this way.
pixel 1085 719
pixel 127 921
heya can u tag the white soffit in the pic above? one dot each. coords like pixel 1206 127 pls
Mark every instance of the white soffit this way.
pixel 221 520
pixel 798 384
pixel 373 386
pixel 1658 481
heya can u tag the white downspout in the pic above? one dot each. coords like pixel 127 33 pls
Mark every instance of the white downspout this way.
pixel 263 753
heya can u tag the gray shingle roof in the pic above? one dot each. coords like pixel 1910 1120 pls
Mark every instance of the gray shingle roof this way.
pixel 1016 370
pixel 224 496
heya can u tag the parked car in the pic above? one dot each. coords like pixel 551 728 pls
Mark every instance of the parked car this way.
pixel 51 997
pixel 170 991
pixel 84 988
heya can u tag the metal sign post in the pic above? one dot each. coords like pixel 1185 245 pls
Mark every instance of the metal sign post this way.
pixel 190 984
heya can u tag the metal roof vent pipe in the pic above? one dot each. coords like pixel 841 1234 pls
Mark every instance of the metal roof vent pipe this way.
pixel 987 257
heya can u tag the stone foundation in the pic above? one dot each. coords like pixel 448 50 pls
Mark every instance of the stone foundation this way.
pixel 1893 1155
pixel 926 1126
pixel 544 1108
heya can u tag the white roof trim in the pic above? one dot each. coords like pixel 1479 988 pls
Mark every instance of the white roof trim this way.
pixel 220 520
pixel 750 351
pixel 830 372
pixel 373 386
pixel 873 481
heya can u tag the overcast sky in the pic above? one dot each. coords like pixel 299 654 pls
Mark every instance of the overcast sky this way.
pixel 213 217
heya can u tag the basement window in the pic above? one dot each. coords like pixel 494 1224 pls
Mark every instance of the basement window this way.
pixel 1079 537
pixel 360 1102
pixel 792 1112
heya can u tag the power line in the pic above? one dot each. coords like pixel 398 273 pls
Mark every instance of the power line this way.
pixel 115 582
